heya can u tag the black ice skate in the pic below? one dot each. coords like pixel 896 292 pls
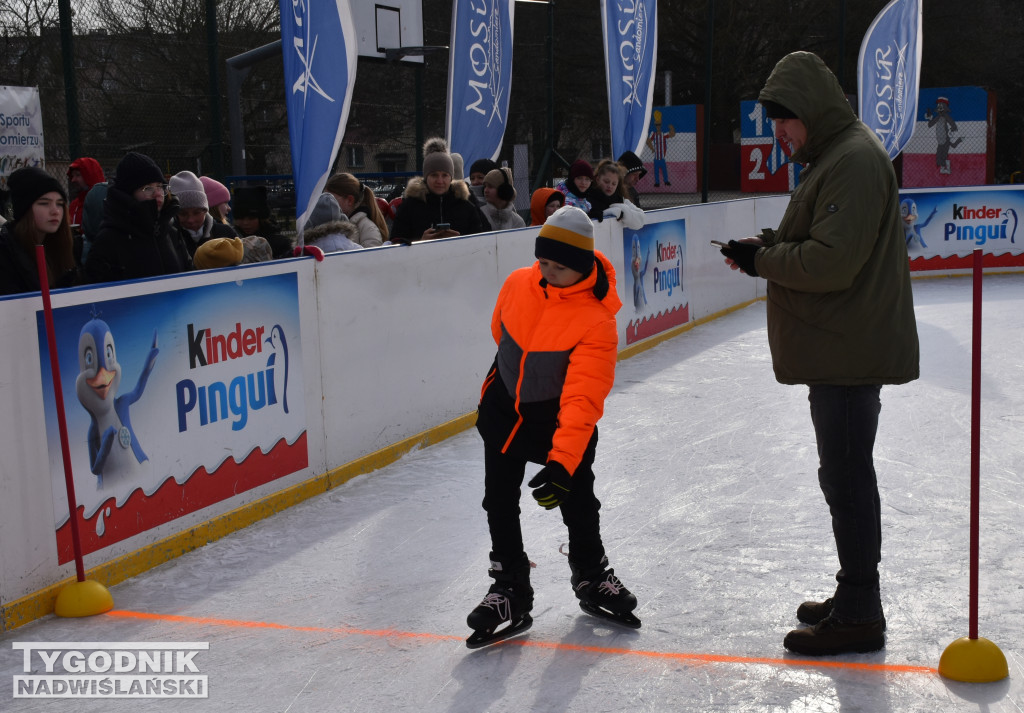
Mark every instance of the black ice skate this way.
pixel 509 599
pixel 602 594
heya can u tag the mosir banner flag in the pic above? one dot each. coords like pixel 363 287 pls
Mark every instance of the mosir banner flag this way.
pixel 479 77
pixel 630 48
pixel 888 73
pixel 21 130
pixel 319 43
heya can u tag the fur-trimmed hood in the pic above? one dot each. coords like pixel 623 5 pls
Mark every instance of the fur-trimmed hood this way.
pixel 417 188
pixel 335 227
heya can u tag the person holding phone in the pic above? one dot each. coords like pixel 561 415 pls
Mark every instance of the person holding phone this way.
pixel 435 206
pixel 841 320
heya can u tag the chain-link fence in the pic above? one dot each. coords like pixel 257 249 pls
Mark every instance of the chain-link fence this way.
pixel 151 76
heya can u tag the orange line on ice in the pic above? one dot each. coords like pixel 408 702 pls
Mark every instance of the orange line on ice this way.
pixel 393 633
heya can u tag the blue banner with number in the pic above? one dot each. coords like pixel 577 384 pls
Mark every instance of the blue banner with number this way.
pixel 319 43
pixel 630 49
pixel 479 77
pixel 888 73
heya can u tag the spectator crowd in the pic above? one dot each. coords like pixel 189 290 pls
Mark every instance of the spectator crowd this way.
pixel 142 223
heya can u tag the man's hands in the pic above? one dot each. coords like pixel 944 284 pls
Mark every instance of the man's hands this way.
pixel 551 485
pixel 740 254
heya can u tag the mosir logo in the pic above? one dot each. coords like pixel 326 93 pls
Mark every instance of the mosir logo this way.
pixel 110 670
pixel 891 116
pixel 485 58
pixel 304 45
pixel 631 29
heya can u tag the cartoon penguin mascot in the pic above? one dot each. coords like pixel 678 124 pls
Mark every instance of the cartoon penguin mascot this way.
pixel 911 228
pixel 114 449
pixel 639 296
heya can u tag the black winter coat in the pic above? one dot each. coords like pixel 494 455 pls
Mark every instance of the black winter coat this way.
pixel 135 240
pixel 421 209
pixel 599 202
pixel 18 272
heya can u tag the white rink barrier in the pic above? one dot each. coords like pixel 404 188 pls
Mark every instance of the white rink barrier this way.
pixel 226 395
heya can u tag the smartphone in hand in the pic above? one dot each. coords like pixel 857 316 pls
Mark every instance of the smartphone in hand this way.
pixel 719 244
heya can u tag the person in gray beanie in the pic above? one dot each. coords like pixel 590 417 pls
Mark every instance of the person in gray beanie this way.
pixel 435 206
pixel 328 228
pixel 193 220
pixel 137 237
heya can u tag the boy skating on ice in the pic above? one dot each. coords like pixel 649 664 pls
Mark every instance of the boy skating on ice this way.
pixel 554 324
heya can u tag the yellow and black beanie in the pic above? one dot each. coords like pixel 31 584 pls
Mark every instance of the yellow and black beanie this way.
pixel 567 237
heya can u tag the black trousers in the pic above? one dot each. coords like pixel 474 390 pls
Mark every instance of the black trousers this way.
pixel 845 423
pixel 503 480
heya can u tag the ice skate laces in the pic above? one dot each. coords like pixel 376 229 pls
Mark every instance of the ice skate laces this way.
pixel 610 586
pixel 499 603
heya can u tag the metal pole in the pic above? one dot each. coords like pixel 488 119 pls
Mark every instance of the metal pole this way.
pixel 546 166
pixel 705 172
pixel 842 41
pixel 551 92
pixel 70 84
pixel 419 117
pixel 978 276
pixel 216 144
pixel 238 67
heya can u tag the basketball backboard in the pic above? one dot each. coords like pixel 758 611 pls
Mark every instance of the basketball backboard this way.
pixel 388 24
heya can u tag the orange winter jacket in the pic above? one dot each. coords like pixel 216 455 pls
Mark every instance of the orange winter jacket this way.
pixel 555 366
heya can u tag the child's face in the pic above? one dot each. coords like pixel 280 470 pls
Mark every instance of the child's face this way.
pixel 249 225
pixel 491 195
pixel 48 212
pixel 476 179
pixel 582 184
pixel 558 275
pixel 553 205
pixel 608 182
pixel 191 218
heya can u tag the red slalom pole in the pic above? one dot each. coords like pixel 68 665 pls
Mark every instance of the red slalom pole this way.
pixel 58 395
pixel 84 597
pixel 974 659
pixel 975 440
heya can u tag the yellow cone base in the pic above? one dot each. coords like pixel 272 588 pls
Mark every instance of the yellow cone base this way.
pixel 973 661
pixel 86 598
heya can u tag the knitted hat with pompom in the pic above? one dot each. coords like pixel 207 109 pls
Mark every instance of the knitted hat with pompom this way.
pixel 567 237
pixel 436 157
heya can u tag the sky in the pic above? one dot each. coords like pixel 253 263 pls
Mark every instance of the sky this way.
pixel 711 514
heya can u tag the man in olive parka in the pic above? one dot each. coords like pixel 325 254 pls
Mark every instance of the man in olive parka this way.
pixel 841 320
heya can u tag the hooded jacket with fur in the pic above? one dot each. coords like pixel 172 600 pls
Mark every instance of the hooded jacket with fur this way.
pixel 333 236
pixel 421 209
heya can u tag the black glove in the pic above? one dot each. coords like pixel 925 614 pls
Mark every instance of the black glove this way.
pixel 551 485
pixel 743 255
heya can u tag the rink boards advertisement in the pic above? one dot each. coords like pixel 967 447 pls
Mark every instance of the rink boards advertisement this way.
pixel 943 227
pixel 654 279
pixel 174 401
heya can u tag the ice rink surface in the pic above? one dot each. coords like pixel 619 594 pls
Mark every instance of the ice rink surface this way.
pixel 356 601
